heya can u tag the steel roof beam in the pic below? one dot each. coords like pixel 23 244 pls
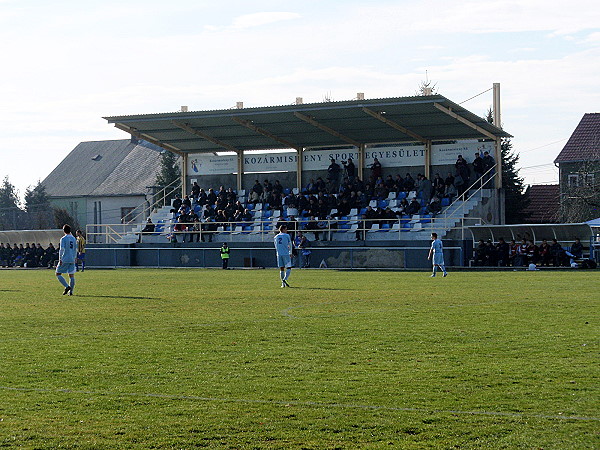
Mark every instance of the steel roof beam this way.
pixel 465 121
pixel 326 129
pixel 194 131
pixel 248 124
pixel 394 125
pixel 139 135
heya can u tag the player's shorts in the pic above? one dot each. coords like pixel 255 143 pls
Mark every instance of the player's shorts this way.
pixel 68 268
pixel 438 259
pixel 81 256
pixel 284 261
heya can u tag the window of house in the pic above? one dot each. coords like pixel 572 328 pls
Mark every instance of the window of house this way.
pixel 573 180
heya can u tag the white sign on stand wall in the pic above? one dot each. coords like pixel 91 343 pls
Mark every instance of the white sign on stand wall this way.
pixel 388 156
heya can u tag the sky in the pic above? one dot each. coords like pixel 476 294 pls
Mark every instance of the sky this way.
pixel 67 64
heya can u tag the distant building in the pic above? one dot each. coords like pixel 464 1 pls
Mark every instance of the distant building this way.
pixel 579 171
pixel 104 182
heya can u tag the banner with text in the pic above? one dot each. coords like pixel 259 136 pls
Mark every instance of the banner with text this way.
pixel 392 156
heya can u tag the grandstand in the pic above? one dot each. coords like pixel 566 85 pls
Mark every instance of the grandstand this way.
pixel 294 143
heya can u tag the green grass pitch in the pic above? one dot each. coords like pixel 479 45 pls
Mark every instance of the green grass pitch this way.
pixel 228 359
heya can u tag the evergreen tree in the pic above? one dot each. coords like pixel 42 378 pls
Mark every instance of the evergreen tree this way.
pixel 9 206
pixel 36 198
pixel 169 172
pixel 515 200
pixel 38 207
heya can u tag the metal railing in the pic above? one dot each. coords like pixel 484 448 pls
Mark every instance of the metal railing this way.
pixel 467 195
pixel 172 231
pixel 167 191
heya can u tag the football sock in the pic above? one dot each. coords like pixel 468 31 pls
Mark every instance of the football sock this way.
pixel 72 284
pixel 287 274
pixel 282 275
pixel 443 268
pixel 62 280
pixel 434 270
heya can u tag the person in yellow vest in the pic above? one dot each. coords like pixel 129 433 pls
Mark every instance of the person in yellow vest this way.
pixel 225 255
pixel 81 249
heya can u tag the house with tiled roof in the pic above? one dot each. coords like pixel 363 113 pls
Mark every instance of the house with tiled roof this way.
pixel 579 171
pixel 104 182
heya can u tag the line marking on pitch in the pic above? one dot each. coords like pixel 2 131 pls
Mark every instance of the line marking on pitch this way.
pixel 303 403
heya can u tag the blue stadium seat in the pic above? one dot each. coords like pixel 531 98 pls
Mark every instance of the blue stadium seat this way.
pixel 401 195
pixel 445 201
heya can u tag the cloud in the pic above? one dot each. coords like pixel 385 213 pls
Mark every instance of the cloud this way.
pixel 262 18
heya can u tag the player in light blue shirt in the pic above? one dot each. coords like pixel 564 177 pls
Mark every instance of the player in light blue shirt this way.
pixel 67 254
pixel 283 246
pixel 436 254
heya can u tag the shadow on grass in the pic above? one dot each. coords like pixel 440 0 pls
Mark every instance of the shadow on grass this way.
pixel 117 296
pixel 10 290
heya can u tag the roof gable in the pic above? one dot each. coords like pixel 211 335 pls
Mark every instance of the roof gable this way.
pixel 584 143
pixel 92 167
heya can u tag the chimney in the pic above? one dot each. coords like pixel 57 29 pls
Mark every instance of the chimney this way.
pixel 184 109
pixel 239 105
pixel 299 100
pixel 360 96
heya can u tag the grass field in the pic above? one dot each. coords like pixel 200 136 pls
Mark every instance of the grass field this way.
pixel 228 359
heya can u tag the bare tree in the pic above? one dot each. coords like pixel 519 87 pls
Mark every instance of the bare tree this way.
pixel 580 193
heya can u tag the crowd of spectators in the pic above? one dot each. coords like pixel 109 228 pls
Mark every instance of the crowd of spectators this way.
pixel 30 255
pixel 526 252
pixel 324 199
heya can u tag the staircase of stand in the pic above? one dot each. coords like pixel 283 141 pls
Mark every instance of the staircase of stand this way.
pixel 161 219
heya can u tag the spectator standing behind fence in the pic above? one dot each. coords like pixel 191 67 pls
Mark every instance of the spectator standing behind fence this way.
pixel 478 165
pixel 225 250
pixel 376 170
pixel 81 249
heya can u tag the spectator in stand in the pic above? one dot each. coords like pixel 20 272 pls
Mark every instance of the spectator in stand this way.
pixel 449 179
pixel 463 173
pixel 231 195
pixel 343 208
pixel 435 206
pixel 177 202
pixel 425 189
pixel 450 192
pixel 376 170
pixel 319 186
pixel 438 185
pixel 333 176
pixel 256 192
pixel 3 255
pixel 478 166
pixel 267 189
pixel 202 198
pixel 149 228
pixel 211 197
pixel 577 249
pixel 502 251
pixel 409 183
pixel 349 169
pixel 380 191
pixel 488 163
pixel 195 190
pixel 187 202
pixel 370 217
pixel 413 207
pixel 311 187
pixel 403 206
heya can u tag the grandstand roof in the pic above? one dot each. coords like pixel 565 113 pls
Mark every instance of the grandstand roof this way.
pixel 353 122
pixel 584 143
pixel 105 168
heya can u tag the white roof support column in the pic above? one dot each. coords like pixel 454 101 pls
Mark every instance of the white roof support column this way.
pixel 299 166
pixel 184 175
pixel 427 161
pixel 240 169
pixel 361 161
